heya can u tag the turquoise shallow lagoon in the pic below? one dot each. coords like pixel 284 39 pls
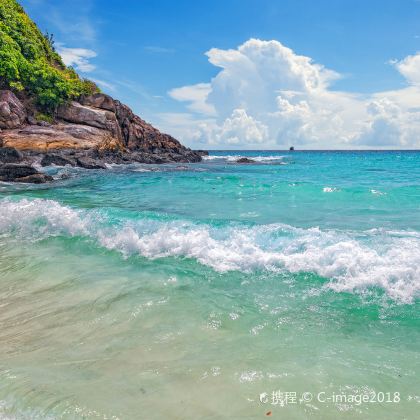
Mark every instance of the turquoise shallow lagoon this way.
pixel 210 290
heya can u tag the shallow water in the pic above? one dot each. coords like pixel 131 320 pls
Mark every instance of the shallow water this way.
pixel 195 291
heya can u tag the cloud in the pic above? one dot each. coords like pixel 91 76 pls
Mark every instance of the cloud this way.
pixel 267 96
pixel 77 57
pixel 196 95
pixel 410 68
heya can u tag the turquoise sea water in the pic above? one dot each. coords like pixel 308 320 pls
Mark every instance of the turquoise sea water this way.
pixel 201 291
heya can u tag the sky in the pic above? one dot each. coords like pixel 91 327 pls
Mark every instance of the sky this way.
pixel 252 74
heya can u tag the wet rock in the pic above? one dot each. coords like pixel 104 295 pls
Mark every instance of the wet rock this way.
pixel 12 172
pixel 54 159
pixel 38 178
pixel 202 152
pixel 245 160
pixel 12 112
pixel 10 155
pixel 89 163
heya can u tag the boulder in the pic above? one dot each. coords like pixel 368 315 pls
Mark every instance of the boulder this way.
pixel 54 159
pixel 245 160
pixel 89 163
pixel 12 172
pixel 202 152
pixel 12 112
pixel 77 113
pixel 101 101
pixel 57 137
pixel 10 155
pixel 38 178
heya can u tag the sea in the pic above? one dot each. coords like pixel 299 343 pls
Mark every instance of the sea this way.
pixel 288 288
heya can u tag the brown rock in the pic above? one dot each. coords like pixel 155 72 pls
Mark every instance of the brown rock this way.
pixel 100 100
pixel 12 112
pixel 56 137
pixel 87 115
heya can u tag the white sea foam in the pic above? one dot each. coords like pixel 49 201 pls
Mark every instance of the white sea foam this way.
pixel 352 261
pixel 376 192
pixel 234 158
pixel 330 189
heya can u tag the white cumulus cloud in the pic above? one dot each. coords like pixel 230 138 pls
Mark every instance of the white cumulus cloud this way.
pixel 267 96
pixel 77 57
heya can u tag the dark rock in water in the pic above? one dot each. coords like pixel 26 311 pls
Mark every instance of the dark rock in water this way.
pixel 245 160
pixel 12 172
pixel 54 159
pixel 89 163
pixel 38 178
pixel 202 152
pixel 10 155
pixel 291 148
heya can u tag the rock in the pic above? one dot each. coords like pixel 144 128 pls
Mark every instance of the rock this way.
pixel 105 128
pixel 136 134
pixel 94 117
pixel 12 172
pixel 53 159
pixel 89 163
pixel 38 178
pixel 202 152
pixel 31 120
pixel 99 100
pixel 57 137
pixel 10 155
pixel 291 148
pixel 12 112
pixel 245 160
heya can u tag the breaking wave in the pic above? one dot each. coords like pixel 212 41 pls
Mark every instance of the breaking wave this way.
pixel 352 261
pixel 234 158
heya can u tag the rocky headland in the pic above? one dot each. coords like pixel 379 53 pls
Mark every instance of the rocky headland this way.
pixel 90 132
pixel 49 115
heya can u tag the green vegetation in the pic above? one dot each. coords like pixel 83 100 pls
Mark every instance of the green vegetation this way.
pixel 39 116
pixel 29 63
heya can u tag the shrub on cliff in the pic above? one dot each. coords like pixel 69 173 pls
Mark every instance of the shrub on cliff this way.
pixel 29 63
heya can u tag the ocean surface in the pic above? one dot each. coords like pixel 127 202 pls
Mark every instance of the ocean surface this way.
pixel 287 288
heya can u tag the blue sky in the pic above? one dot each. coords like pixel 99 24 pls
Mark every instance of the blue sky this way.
pixel 139 51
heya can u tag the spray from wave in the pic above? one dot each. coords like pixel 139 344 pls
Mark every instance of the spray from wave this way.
pixel 234 158
pixel 353 261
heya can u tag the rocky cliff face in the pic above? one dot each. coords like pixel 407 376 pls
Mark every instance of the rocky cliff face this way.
pixel 97 127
